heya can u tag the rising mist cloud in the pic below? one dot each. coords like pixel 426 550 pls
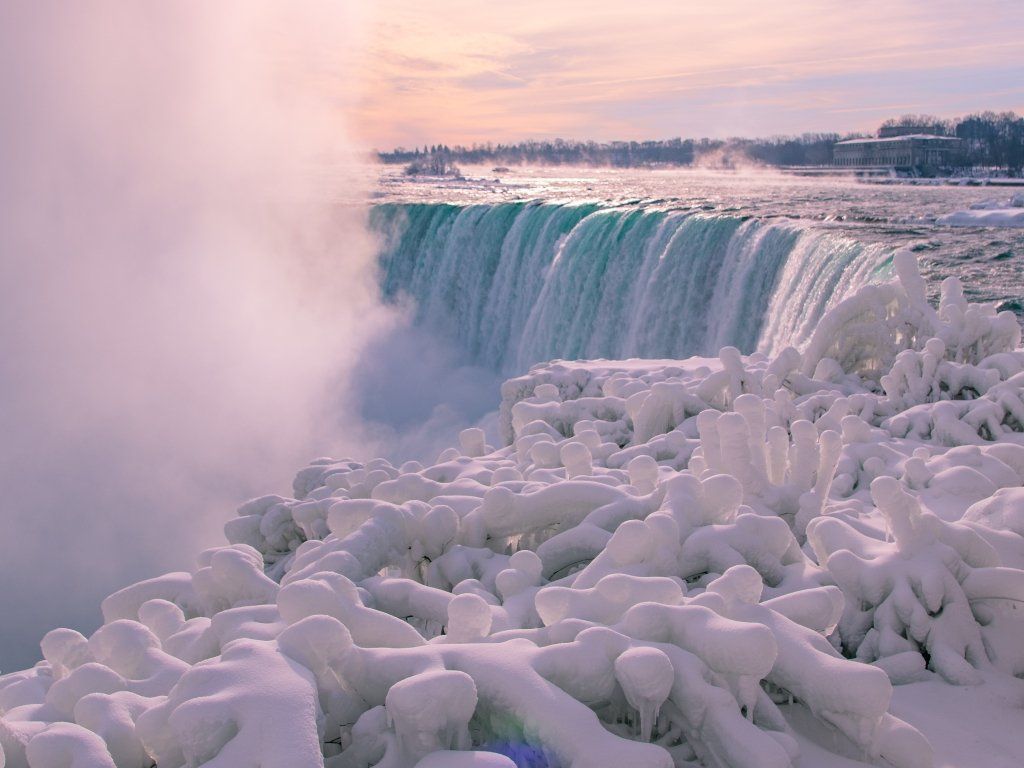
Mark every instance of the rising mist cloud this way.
pixel 185 282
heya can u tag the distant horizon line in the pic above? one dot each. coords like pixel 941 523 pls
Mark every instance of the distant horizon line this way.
pixel 763 137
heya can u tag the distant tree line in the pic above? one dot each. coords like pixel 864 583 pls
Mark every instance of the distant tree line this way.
pixel 991 140
pixel 556 152
pixel 936 126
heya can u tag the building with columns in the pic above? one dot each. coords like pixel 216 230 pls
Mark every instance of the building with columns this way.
pixel 919 153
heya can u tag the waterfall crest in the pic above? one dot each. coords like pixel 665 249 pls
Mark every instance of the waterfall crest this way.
pixel 519 283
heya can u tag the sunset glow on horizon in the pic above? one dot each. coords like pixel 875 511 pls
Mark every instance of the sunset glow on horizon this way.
pixel 459 71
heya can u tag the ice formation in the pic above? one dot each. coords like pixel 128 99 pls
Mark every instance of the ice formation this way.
pixel 665 561
pixel 988 213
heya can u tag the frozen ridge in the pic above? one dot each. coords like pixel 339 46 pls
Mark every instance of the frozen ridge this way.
pixel 671 563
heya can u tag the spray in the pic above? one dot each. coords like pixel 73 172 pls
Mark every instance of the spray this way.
pixel 186 283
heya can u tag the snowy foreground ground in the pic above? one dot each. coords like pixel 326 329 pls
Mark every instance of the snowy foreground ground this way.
pixel 813 560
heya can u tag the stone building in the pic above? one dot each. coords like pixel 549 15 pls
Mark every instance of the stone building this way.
pixel 915 153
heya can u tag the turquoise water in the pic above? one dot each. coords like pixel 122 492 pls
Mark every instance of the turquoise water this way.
pixel 517 283
pixel 599 262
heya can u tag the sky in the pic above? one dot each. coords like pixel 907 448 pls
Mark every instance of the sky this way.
pixel 462 71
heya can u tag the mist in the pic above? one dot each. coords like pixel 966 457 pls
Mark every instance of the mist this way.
pixel 186 284
pixel 416 391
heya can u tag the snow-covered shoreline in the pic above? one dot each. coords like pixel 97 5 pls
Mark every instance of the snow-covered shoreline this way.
pixel 730 562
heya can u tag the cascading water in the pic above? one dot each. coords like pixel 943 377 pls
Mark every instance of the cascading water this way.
pixel 518 283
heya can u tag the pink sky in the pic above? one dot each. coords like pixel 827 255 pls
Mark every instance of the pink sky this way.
pixel 459 71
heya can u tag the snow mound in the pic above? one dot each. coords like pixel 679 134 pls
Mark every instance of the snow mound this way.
pixel 667 564
pixel 988 213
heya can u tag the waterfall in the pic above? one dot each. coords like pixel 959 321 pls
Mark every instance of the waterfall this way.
pixel 518 283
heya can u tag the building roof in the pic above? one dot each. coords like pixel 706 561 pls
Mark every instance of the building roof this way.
pixel 916 136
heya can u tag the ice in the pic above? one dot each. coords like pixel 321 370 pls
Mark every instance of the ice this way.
pixel 251 704
pixel 1008 215
pixel 449 759
pixel 645 675
pixel 991 212
pixel 430 712
pixel 66 745
pixel 669 562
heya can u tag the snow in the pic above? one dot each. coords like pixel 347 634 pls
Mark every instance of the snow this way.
pixel 988 213
pixel 897 139
pixel 972 725
pixel 814 559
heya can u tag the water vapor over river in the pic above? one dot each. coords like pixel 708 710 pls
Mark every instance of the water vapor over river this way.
pixel 169 265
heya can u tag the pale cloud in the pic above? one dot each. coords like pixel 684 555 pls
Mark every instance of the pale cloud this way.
pixel 468 70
